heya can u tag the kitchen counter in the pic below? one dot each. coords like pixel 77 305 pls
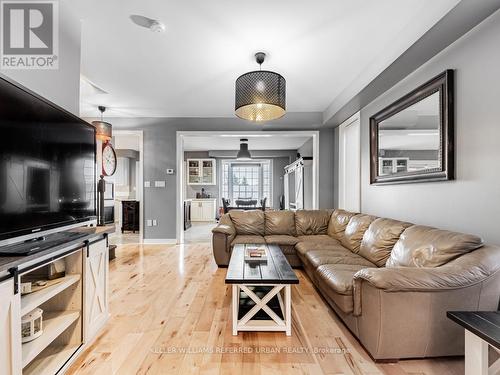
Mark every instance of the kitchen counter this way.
pixel 25 261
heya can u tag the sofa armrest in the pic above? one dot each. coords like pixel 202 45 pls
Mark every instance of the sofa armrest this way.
pixel 465 271
pixel 223 235
pixel 225 226
pixel 224 229
pixel 404 279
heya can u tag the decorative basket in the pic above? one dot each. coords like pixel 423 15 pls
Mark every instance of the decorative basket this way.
pixel 256 254
pixel 31 325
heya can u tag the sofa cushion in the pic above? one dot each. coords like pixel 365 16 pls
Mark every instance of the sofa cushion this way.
pixel 248 222
pixel 339 255
pixel 281 240
pixel 355 230
pixel 319 238
pixel 339 277
pixel 288 250
pixel 422 246
pixel 280 222
pixel 304 247
pixel 248 238
pixel 312 222
pixel 338 223
pixel 336 282
pixel 379 239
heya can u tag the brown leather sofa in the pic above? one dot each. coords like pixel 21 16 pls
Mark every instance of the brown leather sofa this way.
pixel 391 282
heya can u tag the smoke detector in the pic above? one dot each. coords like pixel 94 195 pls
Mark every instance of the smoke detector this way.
pixel 148 23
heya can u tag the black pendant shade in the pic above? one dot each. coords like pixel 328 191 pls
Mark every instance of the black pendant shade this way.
pixel 243 153
pixel 260 95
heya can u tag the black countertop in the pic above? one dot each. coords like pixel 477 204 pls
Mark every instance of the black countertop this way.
pixel 7 262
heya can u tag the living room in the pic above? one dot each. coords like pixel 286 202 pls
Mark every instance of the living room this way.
pixel 342 156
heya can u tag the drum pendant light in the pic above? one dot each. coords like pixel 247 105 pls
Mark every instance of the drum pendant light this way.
pixel 103 129
pixel 261 94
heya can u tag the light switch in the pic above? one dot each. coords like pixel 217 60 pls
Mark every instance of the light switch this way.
pixel 149 223
pixel 147 184
pixel 160 184
pixel 170 171
pixel 155 223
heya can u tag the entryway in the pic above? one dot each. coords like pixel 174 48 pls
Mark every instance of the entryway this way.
pixel 209 169
pixel 124 191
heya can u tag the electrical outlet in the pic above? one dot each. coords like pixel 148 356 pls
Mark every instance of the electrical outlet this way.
pixel 155 223
pixel 149 223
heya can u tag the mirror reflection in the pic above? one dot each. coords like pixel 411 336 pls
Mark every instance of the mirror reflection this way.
pixel 409 141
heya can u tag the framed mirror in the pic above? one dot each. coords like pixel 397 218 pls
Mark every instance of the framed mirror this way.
pixel 412 140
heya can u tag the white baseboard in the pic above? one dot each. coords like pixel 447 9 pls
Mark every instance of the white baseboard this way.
pixel 162 241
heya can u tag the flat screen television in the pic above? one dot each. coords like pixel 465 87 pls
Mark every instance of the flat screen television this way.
pixel 47 165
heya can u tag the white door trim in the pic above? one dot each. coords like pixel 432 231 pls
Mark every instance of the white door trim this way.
pixel 140 188
pixel 356 121
pixel 180 165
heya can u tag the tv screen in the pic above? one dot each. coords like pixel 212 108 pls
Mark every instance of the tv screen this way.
pixel 47 165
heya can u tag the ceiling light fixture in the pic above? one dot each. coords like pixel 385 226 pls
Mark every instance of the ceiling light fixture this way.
pixel 261 94
pixel 103 129
pixel 243 153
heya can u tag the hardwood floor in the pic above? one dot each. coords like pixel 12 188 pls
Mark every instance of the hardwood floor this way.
pixel 171 315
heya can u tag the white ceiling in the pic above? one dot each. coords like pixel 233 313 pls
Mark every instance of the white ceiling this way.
pixel 319 46
pixel 255 142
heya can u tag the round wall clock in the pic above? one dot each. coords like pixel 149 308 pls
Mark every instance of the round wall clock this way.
pixel 108 159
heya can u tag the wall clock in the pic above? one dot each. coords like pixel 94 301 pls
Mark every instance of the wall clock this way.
pixel 108 159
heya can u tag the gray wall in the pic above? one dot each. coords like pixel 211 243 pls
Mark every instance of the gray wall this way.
pixel 471 203
pixel 160 154
pixel 61 86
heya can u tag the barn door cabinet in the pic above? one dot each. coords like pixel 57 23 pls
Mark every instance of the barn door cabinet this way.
pixel 75 308
pixel 10 329
pixel 96 288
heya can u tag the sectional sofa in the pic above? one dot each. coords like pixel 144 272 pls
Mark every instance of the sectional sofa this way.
pixel 391 282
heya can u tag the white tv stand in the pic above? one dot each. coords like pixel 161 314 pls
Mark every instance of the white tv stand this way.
pixel 75 308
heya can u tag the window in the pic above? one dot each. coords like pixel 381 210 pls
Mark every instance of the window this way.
pixel 247 180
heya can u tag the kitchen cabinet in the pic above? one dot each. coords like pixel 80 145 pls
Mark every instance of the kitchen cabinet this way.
pixel 130 216
pixel 203 209
pixel 201 171
pixel 10 326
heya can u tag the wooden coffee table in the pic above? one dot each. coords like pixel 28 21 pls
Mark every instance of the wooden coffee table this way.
pixel 482 330
pixel 261 292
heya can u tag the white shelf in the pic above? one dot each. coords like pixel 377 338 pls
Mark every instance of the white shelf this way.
pixel 35 299
pixel 51 360
pixel 53 325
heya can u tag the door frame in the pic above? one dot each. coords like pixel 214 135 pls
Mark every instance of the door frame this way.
pixel 140 187
pixel 180 173
pixel 354 120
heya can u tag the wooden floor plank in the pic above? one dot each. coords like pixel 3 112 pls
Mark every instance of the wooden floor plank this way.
pixel 170 314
